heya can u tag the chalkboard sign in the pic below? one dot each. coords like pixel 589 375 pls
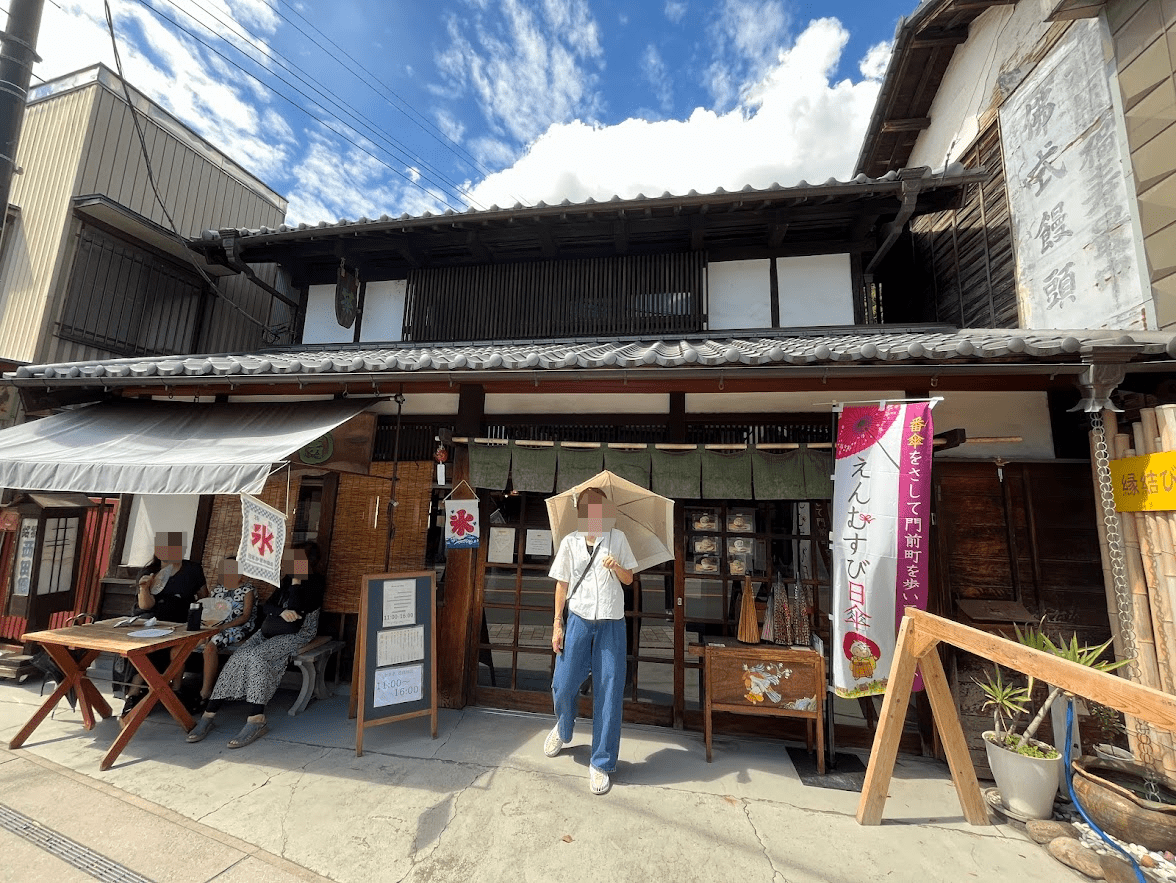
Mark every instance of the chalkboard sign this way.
pixel 397 658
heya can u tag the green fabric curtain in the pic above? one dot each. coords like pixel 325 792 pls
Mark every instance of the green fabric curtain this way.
pixel 726 475
pixel 677 474
pixel 489 465
pixel 818 473
pixel 577 465
pixel 532 468
pixel 778 475
pixel 630 465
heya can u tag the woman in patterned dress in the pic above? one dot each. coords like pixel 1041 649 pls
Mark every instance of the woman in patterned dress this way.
pixel 289 619
pixel 241 595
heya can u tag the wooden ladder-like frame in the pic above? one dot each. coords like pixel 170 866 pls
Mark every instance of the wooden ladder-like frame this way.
pixel 918 637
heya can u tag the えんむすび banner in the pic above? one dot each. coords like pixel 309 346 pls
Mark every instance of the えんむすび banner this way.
pixel 881 494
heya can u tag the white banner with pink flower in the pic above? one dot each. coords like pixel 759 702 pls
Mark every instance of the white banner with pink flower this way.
pixel 263 537
pixel 461 524
pixel 881 495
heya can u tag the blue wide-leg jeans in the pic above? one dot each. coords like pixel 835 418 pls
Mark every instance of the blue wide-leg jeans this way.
pixel 596 646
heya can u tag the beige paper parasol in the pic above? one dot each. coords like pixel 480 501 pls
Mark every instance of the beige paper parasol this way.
pixel 646 519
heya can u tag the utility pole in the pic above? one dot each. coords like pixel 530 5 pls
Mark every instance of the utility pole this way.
pixel 18 53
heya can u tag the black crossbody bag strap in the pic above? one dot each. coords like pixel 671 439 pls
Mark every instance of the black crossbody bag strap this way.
pixel 584 573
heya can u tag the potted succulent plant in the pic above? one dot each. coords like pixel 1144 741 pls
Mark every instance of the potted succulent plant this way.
pixel 1027 771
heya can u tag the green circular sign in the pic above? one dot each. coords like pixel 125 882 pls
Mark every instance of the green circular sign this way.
pixel 318 451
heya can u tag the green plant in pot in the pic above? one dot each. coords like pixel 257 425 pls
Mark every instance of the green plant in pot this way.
pixel 1027 771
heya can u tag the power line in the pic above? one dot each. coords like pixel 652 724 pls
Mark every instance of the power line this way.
pixel 293 103
pixel 399 150
pixel 408 110
pixel 268 333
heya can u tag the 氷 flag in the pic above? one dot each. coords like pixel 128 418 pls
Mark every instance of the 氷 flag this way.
pixel 881 494
pixel 263 537
pixel 461 524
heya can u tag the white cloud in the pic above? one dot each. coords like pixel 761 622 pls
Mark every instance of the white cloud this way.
pixel 794 124
pixel 745 41
pixel 675 10
pixel 451 127
pixel 334 180
pixel 526 71
pixel 654 69
pixel 874 62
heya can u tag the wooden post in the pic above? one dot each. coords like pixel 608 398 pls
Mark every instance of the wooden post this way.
pixel 890 723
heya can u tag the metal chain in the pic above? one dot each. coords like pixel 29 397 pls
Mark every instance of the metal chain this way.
pixel 1123 600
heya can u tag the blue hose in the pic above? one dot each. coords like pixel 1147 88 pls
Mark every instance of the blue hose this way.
pixel 1074 797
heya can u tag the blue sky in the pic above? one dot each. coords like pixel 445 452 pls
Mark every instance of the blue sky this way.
pixel 354 108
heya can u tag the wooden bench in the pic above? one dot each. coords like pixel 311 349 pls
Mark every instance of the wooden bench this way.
pixel 312 661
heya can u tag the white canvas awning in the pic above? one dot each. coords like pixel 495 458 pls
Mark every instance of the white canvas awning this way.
pixel 163 447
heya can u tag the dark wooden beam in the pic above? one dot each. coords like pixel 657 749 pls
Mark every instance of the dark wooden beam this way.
pixel 776 233
pixel 471 409
pixel 697 232
pixel 931 39
pixel 914 124
pixel 478 249
pixel 620 237
pixel 547 246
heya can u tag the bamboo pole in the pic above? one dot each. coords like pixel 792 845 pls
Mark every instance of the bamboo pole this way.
pixel 1138 564
pixel 1163 554
pixel 1155 528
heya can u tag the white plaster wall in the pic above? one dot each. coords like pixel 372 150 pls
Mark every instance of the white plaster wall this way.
pixel 151 513
pixel 740 295
pixel 991 61
pixel 768 403
pixel 997 415
pixel 383 311
pixel 320 325
pixel 815 290
pixel 540 403
pixel 417 404
pixel 383 318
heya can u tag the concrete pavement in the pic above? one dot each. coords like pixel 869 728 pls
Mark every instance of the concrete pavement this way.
pixel 480 802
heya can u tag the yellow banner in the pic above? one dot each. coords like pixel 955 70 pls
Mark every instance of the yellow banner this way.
pixel 1145 484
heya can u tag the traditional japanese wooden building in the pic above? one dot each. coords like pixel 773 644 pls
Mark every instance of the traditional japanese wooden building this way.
pixel 697 344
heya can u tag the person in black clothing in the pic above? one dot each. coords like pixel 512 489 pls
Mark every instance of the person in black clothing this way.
pixel 166 589
pixel 289 619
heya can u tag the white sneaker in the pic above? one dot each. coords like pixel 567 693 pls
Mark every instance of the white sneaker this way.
pixel 553 744
pixel 598 780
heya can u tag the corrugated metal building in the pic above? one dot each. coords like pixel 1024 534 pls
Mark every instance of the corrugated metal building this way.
pixel 90 267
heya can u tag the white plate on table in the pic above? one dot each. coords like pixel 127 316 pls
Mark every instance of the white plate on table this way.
pixel 150 633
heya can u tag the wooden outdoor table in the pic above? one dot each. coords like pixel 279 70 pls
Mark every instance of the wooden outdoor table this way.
pixel 764 679
pixel 99 637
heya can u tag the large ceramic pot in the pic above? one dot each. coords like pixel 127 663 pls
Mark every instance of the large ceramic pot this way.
pixel 1027 785
pixel 1111 793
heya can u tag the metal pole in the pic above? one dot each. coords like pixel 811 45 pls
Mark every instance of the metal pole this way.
pixel 18 53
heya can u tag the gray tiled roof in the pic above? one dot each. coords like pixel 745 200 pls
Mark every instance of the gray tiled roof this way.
pixel 802 189
pixel 763 350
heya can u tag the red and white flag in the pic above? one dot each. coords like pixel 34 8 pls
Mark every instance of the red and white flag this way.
pixel 263 537
pixel 881 495
pixel 462 529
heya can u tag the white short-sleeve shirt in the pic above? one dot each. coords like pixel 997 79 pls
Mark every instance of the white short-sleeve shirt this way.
pixel 600 595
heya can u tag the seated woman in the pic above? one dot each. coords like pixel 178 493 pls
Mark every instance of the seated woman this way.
pixel 166 589
pixel 289 619
pixel 240 596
